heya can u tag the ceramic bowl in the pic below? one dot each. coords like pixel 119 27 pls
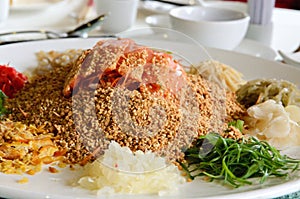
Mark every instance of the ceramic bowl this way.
pixel 158 22
pixel 210 26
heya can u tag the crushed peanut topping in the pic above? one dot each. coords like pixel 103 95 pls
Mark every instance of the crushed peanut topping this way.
pixel 86 122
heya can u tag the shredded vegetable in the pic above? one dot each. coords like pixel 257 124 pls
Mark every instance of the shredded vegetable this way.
pixel 235 161
pixel 222 74
pixel 261 90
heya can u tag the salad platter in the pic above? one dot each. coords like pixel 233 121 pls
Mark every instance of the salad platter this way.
pixel 22 56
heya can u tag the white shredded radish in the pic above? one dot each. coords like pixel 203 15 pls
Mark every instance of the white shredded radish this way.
pixel 120 170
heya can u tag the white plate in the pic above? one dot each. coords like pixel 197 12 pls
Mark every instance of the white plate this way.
pixel 247 46
pixel 30 5
pixel 47 185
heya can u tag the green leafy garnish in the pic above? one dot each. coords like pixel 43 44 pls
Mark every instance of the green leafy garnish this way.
pixel 239 124
pixel 235 161
pixel 2 100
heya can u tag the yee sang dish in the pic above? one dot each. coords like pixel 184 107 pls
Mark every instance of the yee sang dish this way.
pixel 124 114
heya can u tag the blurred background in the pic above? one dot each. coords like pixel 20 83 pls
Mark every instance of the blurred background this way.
pixel 291 4
pixel 281 32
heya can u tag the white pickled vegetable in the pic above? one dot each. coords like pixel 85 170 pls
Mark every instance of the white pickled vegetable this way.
pixel 274 123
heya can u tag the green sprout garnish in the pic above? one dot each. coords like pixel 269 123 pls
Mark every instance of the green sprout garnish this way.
pixel 236 161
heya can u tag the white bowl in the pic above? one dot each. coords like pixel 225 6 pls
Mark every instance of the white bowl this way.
pixel 158 22
pixel 210 26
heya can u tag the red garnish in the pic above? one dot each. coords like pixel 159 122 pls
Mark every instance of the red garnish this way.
pixel 11 81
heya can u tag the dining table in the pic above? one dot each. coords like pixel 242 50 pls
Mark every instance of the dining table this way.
pixel 63 15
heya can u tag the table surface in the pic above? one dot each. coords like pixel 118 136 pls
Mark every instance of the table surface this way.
pixel 285 34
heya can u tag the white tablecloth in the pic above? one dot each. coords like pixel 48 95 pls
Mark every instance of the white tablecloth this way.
pixel 285 35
